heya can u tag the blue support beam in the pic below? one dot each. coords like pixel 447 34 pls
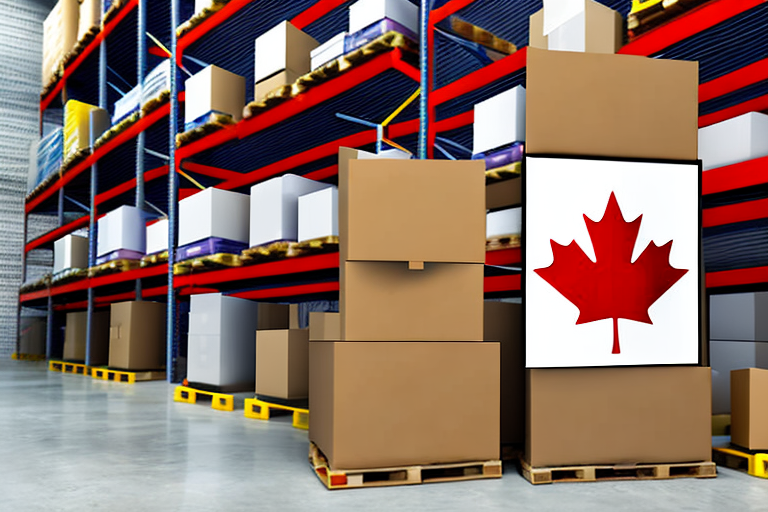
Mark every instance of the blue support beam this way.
pixel 171 334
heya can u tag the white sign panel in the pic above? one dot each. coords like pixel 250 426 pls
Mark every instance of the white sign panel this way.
pixel 611 263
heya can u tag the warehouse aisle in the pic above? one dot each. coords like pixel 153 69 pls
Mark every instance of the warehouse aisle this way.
pixel 69 443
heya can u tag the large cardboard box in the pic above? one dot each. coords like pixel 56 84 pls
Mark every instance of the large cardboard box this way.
pixel 503 194
pixel 385 300
pixel 726 356
pixel 749 414
pixel 503 322
pixel 499 120
pixel 77 126
pixel 739 316
pixel 394 404
pixel 598 29
pixel 736 140
pixel 216 213
pixel 214 90
pixel 70 251
pixel 75 334
pixel 275 208
pixel 32 336
pixel 221 348
pixel 59 35
pixel 137 335
pixel 286 77
pixel 122 229
pixel 283 47
pixel 409 210
pixel 282 363
pixel 629 415
pixel 157 236
pixel 319 214
pixel 328 51
pixel 324 326
pixel 611 105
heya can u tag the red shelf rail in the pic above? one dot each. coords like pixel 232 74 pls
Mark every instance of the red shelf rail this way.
pixel 740 277
pixel 732 177
pixel 69 70
pixel 57 233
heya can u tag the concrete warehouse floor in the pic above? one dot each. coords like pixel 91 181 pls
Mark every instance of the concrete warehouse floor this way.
pixel 70 443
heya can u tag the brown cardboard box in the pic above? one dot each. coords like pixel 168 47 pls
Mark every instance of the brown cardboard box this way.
pixel 137 335
pixel 604 29
pixel 280 48
pixel 628 415
pixel 214 89
pixel 75 337
pixel 324 326
pixel 411 210
pixel 32 334
pixel 749 413
pixel 394 404
pixel 285 77
pixel 503 322
pixel 384 300
pixel 611 105
pixel 282 363
pixel 293 316
pixel 503 194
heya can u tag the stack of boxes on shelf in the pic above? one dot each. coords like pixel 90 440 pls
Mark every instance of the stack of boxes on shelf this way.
pixel 212 221
pixel 576 105
pixel 90 17
pixel 155 83
pixel 212 93
pixel 282 55
pixel 59 36
pixel 83 123
pixel 121 235
pixel 70 252
pixel 282 362
pixel 408 352
pixel 222 331
pixel 46 158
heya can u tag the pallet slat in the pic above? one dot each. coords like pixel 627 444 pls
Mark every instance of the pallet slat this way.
pixel 126 377
pixel 407 475
pixel 219 401
pixel 596 473
pixel 66 367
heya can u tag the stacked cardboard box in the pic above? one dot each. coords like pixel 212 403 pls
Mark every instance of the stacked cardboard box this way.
pixel 212 221
pixel 577 105
pixel 75 337
pixel 410 327
pixel 749 416
pixel 137 335
pixel 282 56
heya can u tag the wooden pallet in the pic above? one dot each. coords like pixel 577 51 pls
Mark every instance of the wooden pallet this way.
pixel 599 472
pixel 755 464
pixel 126 377
pixel 219 401
pixel 27 357
pixel 407 475
pixel 65 367
pixel 260 410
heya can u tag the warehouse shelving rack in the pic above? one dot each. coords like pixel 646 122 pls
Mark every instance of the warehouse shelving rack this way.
pixel 234 158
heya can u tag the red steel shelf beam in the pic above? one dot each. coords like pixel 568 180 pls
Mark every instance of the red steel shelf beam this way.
pixel 69 71
pixel 740 277
pixel 57 233
pixel 732 177
pixel 739 212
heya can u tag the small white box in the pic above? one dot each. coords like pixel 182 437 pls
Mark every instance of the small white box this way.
pixel 90 16
pixel 499 120
pixel 282 47
pixel 214 90
pixel 739 316
pixel 222 340
pixel 735 140
pixel 365 12
pixel 319 214
pixel 157 236
pixel 213 213
pixel 504 222
pixel 201 4
pixel 122 229
pixel 328 51
pixel 70 251
pixel 275 208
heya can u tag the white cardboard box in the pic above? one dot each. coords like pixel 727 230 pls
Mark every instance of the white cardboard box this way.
pixel 214 89
pixel 504 222
pixel 283 47
pixel 499 120
pixel 319 214
pixel 328 51
pixel 222 333
pixel 365 12
pixel 70 251
pixel 123 228
pixel 201 4
pixel 736 140
pixel 157 236
pixel 90 16
pixel 275 208
pixel 595 28
pixel 739 316
pixel 213 213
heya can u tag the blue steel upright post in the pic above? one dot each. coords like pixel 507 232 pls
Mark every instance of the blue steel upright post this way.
pixel 424 7
pixel 92 226
pixel 141 71
pixel 173 184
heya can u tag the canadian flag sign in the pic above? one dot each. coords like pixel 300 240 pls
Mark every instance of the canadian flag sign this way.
pixel 611 262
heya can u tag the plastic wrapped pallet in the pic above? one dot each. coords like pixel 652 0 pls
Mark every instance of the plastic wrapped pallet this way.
pixel 76 127
pixel 59 35
pixel 50 152
pixel 126 105
pixel 157 81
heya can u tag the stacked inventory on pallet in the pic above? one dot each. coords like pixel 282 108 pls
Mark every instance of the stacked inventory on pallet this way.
pixel 409 348
pixel 594 406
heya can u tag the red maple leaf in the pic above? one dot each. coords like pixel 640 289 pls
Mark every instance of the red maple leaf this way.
pixel 613 286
